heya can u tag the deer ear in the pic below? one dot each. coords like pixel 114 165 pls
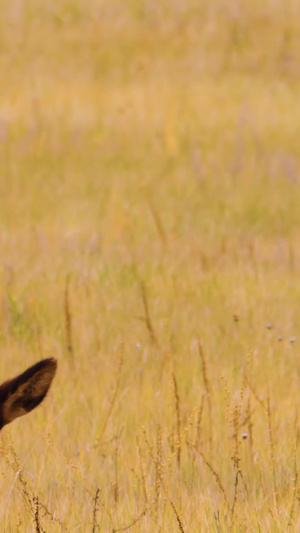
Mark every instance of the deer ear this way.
pixel 20 395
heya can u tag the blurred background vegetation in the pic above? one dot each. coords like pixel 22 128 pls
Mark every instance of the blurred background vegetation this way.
pixel 149 239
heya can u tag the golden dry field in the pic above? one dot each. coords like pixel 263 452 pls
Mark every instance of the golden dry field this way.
pixel 149 240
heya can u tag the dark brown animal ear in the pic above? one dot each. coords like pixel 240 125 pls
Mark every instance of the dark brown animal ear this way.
pixel 20 395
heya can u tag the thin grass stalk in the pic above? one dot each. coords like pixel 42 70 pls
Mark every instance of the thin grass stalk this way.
pixel 112 402
pixel 95 510
pixel 147 318
pixel 142 470
pixel 178 420
pixel 296 476
pixel 272 449
pixel 179 520
pixel 158 223
pixel 207 390
pixel 68 320
pixel 216 476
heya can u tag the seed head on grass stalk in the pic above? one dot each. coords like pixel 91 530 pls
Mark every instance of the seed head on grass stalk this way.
pixel 95 510
pixel 38 528
pixel 247 421
pixel 156 456
pixel 236 455
pixel 189 426
pixel 157 460
pixel 31 502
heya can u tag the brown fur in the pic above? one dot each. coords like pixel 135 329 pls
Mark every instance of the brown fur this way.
pixel 18 396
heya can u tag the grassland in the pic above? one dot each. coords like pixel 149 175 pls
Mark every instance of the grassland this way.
pixel 149 240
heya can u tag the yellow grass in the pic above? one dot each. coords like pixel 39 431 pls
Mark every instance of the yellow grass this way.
pixel 149 240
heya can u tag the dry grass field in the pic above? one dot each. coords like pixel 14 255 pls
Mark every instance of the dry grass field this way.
pixel 149 240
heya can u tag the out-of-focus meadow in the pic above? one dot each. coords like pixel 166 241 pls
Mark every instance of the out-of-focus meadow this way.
pixel 149 240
